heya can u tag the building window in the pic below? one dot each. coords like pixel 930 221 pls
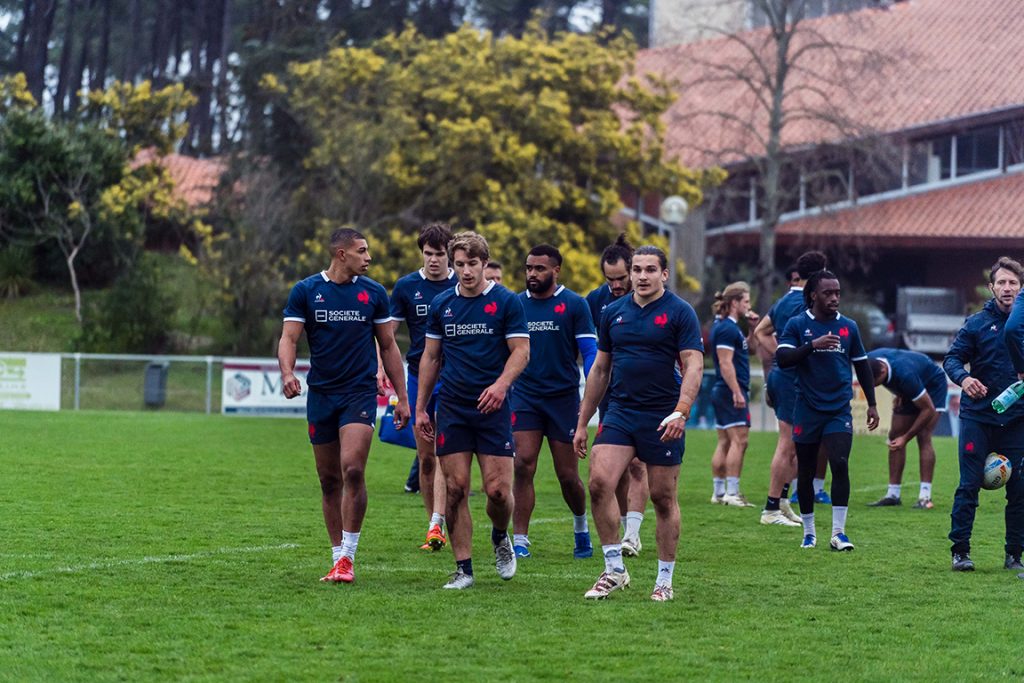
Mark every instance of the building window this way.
pixel 827 182
pixel 930 161
pixel 731 202
pixel 1014 142
pixel 977 151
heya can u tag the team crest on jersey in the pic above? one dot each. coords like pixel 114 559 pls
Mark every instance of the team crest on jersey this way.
pixel 661 320
pixel 560 308
pixel 491 308
pixel 448 313
pixel 363 296
pixel 807 332
pixel 618 320
pixel 417 295
pixel 844 331
pixel 994 328
pixel 319 298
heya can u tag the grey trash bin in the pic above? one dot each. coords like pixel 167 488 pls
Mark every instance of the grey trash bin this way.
pixel 154 389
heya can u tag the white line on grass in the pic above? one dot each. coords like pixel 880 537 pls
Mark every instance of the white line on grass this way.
pixel 161 559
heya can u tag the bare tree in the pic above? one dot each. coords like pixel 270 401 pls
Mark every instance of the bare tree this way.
pixel 788 114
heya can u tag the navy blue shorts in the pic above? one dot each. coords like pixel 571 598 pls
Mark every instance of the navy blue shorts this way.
pixel 810 425
pixel 462 428
pixel 327 413
pixel 412 385
pixel 936 390
pixel 556 416
pixel 639 429
pixel 727 415
pixel 782 394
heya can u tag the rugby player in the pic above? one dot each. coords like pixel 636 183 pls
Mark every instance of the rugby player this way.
pixel 342 311
pixel 919 389
pixel 410 302
pixel 478 328
pixel 822 344
pixel 492 272
pixel 642 337
pixel 546 398
pixel 632 492
pixel 730 394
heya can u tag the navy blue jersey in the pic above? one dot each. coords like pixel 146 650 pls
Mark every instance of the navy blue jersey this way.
pixel 645 345
pixel 787 307
pixel 555 324
pixel 473 333
pixel 980 344
pixel 410 301
pixel 910 373
pixel 824 378
pixel 726 334
pixel 598 300
pixel 1014 335
pixel 339 321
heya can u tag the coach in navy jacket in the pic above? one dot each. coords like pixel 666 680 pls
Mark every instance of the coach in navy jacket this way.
pixel 980 344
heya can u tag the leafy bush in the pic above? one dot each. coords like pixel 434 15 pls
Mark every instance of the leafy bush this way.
pixel 16 270
pixel 133 316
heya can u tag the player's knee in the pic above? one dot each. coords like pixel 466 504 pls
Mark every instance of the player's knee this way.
pixel 329 484
pixel 742 440
pixel 524 469
pixel 499 492
pixel 353 475
pixel 428 464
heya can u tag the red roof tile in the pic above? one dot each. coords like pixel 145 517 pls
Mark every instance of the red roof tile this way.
pixel 976 214
pixel 950 59
pixel 194 179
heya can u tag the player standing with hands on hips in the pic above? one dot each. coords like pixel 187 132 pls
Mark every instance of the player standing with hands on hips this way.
pixel 342 311
pixel 981 344
pixel 641 339
pixel 822 344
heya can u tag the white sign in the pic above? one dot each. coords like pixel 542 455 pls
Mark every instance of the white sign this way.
pixel 252 386
pixel 30 381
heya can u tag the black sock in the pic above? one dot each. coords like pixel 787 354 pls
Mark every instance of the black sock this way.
pixel 772 504
pixel 498 536
pixel 466 566
pixel 785 490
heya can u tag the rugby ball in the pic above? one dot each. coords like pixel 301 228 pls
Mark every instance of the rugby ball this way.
pixel 997 471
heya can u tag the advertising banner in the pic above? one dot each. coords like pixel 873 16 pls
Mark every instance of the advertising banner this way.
pixel 252 386
pixel 30 381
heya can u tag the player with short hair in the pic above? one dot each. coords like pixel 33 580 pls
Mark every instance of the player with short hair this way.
pixel 780 387
pixel 546 397
pixel 822 344
pixel 478 328
pixel 980 343
pixel 632 492
pixel 643 336
pixel 410 303
pixel 919 389
pixel 342 311
pixel 492 271
pixel 730 394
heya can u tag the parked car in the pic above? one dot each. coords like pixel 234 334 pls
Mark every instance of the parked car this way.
pixel 876 327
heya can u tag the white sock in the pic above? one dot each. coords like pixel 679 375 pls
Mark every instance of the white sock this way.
pixel 633 521
pixel 579 524
pixel 732 486
pixel 622 522
pixel 613 558
pixel 349 543
pixel 335 553
pixel 819 485
pixel 808 524
pixel 520 539
pixel 719 485
pixel 437 518
pixel 926 490
pixel 839 519
pixel 893 492
pixel 665 570
pixel 792 486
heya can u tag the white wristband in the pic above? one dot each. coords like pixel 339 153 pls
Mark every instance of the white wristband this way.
pixel 674 416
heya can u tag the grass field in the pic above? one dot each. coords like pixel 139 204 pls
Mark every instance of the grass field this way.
pixel 142 546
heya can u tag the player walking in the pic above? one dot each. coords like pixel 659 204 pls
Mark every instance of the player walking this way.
pixel 546 399
pixel 822 344
pixel 410 302
pixel 642 337
pixel 342 311
pixel 478 328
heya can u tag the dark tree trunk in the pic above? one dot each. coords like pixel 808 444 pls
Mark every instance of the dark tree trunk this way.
pixel 158 57
pixel 19 48
pixel 223 83
pixel 176 32
pixel 130 64
pixel 99 72
pixel 78 74
pixel 37 46
pixel 65 59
